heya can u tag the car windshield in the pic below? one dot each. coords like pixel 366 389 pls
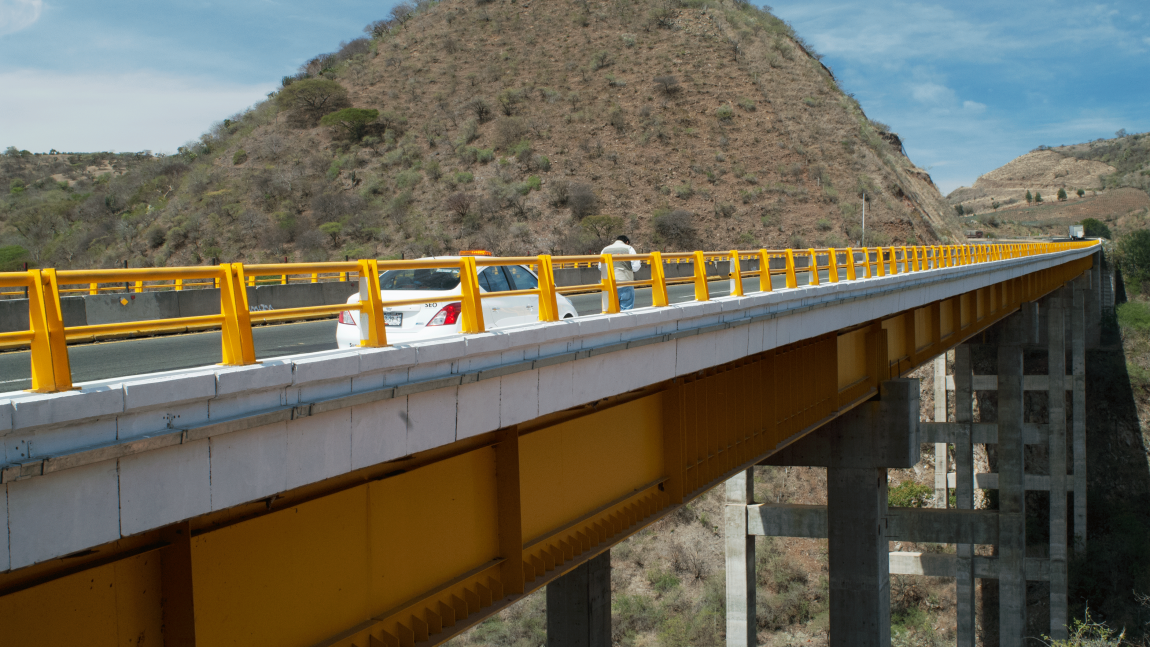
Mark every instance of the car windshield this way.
pixel 439 278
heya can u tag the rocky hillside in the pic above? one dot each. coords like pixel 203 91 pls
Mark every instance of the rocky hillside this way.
pixel 1041 171
pixel 519 127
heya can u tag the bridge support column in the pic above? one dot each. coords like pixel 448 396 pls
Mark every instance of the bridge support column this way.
pixel 1011 487
pixel 742 627
pixel 1056 407
pixel 1078 339
pixel 857 449
pixel 964 492
pixel 941 491
pixel 579 605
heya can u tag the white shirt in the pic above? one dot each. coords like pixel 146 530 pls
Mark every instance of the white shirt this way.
pixel 622 272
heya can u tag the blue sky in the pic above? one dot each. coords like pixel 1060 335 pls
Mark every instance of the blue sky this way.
pixel 969 85
pixel 972 84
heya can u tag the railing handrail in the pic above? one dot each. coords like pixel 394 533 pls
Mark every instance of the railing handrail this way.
pixel 48 336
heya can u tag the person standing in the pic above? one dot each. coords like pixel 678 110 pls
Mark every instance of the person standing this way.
pixel 624 271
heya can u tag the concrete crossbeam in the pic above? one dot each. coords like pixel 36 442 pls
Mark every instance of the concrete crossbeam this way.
pixel 903 524
pixel 1031 482
pixel 981 433
pixel 990 383
pixel 944 565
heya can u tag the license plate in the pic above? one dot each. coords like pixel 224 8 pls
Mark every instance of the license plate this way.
pixel 393 318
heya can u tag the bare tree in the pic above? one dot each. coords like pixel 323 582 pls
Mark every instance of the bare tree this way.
pixel 402 12
pixel 459 203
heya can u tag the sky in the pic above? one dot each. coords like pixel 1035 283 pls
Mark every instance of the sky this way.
pixel 968 84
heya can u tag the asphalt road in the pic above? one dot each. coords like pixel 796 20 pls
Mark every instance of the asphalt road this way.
pixel 105 360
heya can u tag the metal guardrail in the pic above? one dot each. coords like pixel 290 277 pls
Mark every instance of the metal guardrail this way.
pixel 141 285
pixel 48 337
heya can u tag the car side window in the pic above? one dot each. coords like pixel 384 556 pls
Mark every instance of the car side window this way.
pixel 521 278
pixel 492 280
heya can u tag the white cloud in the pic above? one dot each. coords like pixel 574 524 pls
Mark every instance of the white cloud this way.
pixel 974 107
pixel 932 93
pixel 18 14
pixel 123 112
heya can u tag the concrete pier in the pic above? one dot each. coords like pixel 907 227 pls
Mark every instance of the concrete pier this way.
pixel 740 550
pixel 579 605
pixel 1011 487
pixel 1056 416
pixel 964 491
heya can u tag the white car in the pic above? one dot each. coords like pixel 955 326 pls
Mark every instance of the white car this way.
pixel 443 318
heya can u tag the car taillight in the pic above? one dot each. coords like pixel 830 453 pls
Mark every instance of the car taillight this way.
pixel 345 318
pixel 447 315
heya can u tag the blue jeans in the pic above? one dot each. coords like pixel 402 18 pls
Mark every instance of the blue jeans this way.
pixel 626 298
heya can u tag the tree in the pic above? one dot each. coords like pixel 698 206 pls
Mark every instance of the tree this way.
pixel 378 28
pixel 1038 196
pixel 602 228
pixel 958 209
pixel 353 121
pixel 1080 193
pixel 1095 228
pixel 332 229
pixel 1134 255
pixel 311 99
pixel 668 84
pixel 401 13
pixel 1029 198
pixel 459 204
pixel 1062 195
pixel 676 228
pixel 582 200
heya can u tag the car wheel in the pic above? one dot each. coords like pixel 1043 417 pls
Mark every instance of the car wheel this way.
pixel 569 316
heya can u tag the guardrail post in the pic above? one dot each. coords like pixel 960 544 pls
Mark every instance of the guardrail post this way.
pixel 880 262
pixel 548 302
pixel 372 328
pixel 659 297
pixel 736 274
pixel 833 266
pixel 51 370
pixel 93 288
pixel 607 284
pixel 472 303
pixel 238 349
pixel 813 274
pixel 701 291
pixel 765 271
pixel 851 276
pixel 792 282
pixel 139 286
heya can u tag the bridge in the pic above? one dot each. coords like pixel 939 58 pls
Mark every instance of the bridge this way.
pixel 399 494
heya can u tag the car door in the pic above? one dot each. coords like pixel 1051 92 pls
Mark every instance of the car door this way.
pixel 525 308
pixel 498 310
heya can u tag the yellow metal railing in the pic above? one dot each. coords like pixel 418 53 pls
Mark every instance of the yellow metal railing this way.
pixel 48 336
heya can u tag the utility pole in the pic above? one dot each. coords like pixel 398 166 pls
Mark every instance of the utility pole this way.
pixel 862 243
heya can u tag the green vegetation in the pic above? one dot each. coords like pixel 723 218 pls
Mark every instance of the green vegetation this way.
pixel 12 258
pixel 725 112
pixel 352 121
pixel 1095 228
pixel 909 494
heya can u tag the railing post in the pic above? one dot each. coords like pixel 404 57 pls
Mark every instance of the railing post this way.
pixel 701 291
pixel 372 328
pixel 764 271
pixel 893 261
pixel 139 286
pixel 659 297
pixel 315 277
pixel 792 282
pixel 866 262
pixel 51 370
pixel 813 275
pixel 283 279
pixel 880 262
pixel 907 263
pixel 607 284
pixel 93 288
pixel 548 302
pixel 736 274
pixel 833 265
pixel 851 276
pixel 238 349
pixel 472 303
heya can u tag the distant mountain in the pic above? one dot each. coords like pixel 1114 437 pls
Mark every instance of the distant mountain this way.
pixel 522 127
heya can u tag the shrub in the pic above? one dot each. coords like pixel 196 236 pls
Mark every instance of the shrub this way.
pixel 1134 315
pixel 481 109
pixel 582 200
pixel 629 40
pixel 724 210
pixel 676 228
pixel 601 59
pixel 407 179
pixel 464 177
pixel 1061 195
pixel 667 84
pixel 746 104
pixel 509 131
pixel 541 162
pixel 311 99
pixel 560 192
pixel 725 112
pixel 1038 196
pixel 534 182
pixel 12 258
pixel 684 191
pixel 1134 256
pixel 662 581
pixel 459 204
pixel 908 494
pixel 352 121
pixel 240 157
pixel 433 171
pixel 1095 228
pixel 823 224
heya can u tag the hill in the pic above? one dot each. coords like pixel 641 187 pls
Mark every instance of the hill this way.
pixel 505 125
pixel 1113 176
